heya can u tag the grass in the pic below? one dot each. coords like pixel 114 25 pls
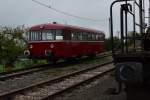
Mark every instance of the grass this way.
pixel 23 64
pixel 1 68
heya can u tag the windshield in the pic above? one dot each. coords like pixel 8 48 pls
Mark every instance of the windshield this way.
pixel 48 35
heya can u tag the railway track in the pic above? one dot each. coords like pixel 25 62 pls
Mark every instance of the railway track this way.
pixel 18 73
pixel 48 89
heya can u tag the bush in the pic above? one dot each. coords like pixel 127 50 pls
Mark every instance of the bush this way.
pixel 11 45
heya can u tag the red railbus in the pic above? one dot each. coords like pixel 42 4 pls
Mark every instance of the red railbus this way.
pixel 55 41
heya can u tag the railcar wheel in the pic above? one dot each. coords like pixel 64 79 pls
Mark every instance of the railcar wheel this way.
pixel 52 58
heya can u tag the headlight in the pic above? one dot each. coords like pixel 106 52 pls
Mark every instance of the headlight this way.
pixel 31 46
pixel 129 72
pixel 52 46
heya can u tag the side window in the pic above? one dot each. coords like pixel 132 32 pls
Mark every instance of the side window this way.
pixel 89 36
pixel 101 37
pixel 97 37
pixel 80 36
pixel 93 37
pixel 59 35
pixel 33 35
pixel 27 36
pixel 84 36
pixel 74 35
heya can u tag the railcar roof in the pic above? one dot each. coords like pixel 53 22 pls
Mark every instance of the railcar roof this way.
pixel 63 26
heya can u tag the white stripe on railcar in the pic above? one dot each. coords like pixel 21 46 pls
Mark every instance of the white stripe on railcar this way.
pixel 61 41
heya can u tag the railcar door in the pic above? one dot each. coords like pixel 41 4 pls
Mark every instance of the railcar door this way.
pixel 67 43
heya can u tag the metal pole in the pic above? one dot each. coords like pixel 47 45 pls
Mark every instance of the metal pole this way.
pixel 141 16
pixel 126 30
pixel 134 27
pixel 122 28
pixel 149 14
pixel 111 22
pixel 110 26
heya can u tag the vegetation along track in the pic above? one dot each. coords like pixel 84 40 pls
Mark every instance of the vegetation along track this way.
pixel 48 89
pixel 29 70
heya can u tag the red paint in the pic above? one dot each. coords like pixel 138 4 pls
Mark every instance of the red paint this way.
pixel 65 48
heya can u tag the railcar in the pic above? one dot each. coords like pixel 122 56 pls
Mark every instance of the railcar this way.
pixel 53 41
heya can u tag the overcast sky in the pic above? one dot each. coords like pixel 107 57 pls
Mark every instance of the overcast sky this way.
pixel 18 12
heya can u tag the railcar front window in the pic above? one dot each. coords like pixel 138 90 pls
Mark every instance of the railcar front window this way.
pixel 52 35
pixel 59 35
pixel 48 35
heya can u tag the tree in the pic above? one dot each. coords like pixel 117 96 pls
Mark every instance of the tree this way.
pixel 108 43
pixel 11 45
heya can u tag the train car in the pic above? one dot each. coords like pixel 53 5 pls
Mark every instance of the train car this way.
pixel 53 41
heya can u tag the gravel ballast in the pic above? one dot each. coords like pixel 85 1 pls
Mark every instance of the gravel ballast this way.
pixel 97 90
pixel 26 80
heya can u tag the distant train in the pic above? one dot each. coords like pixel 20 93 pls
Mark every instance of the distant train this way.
pixel 55 41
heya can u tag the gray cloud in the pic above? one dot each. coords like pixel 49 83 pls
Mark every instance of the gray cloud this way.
pixel 17 12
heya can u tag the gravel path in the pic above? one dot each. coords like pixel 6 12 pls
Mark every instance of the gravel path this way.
pixel 98 90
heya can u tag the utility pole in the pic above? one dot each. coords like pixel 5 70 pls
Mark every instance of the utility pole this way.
pixel 149 14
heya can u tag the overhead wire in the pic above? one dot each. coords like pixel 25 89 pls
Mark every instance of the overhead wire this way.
pixel 68 14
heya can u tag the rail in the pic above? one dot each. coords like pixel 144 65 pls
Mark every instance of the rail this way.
pixel 12 93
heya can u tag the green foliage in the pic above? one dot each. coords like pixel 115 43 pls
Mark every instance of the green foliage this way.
pixel 23 63
pixel 109 44
pixel 11 45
